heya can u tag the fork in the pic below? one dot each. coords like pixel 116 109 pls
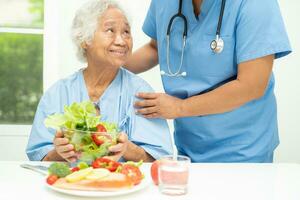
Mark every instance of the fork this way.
pixel 37 168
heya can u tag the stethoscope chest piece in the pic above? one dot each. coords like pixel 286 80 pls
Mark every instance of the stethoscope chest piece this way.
pixel 217 45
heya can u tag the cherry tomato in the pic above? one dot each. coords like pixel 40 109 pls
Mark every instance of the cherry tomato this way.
pixel 52 179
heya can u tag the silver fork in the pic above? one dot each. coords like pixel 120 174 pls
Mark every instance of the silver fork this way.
pixel 37 168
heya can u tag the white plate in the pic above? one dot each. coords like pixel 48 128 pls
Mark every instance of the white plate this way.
pixel 145 182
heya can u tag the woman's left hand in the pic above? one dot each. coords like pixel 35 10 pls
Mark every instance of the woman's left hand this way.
pixel 158 105
pixel 120 148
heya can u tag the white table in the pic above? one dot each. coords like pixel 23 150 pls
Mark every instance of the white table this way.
pixel 207 182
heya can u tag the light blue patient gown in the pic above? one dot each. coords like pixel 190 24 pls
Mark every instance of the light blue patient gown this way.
pixel 251 29
pixel 116 105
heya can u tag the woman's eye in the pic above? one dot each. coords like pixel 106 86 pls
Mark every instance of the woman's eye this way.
pixel 110 30
pixel 127 32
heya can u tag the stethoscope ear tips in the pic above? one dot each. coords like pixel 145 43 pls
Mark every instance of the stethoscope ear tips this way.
pixel 162 72
pixel 183 74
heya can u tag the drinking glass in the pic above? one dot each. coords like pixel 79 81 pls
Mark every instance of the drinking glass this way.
pixel 173 173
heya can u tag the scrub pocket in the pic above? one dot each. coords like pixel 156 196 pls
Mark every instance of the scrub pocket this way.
pixel 216 64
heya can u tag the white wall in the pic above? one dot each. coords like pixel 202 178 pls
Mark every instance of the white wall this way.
pixel 287 71
pixel 60 61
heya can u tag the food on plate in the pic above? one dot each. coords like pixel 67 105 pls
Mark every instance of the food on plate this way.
pixel 106 163
pixel 112 182
pixel 59 169
pixel 90 136
pixel 133 173
pixel 52 179
pixel 103 175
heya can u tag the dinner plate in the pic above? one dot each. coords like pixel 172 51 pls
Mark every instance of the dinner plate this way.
pixel 144 183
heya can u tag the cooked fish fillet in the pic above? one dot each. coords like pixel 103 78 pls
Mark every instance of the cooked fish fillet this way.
pixel 112 182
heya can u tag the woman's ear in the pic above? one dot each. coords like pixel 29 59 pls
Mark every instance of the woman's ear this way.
pixel 84 45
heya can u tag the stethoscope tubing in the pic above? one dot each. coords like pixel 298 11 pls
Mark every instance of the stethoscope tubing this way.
pixel 216 46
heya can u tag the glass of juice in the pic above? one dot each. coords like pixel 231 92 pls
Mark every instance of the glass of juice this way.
pixel 173 174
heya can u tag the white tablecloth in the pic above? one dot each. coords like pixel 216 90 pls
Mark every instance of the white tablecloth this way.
pixel 206 182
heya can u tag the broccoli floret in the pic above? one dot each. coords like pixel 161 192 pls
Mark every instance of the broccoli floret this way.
pixel 59 169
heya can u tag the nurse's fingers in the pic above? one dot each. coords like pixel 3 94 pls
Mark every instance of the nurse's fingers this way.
pixel 147 95
pixel 151 116
pixel 146 103
pixel 146 111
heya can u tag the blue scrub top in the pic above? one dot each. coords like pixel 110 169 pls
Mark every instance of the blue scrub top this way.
pixel 116 105
pixel 251 29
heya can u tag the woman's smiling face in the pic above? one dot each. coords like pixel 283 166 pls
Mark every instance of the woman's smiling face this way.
pixel 112 42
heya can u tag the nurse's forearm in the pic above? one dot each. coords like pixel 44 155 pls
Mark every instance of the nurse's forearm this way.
pixel 251 83
pixel 136 153
pixel 143 59
pixel 224 99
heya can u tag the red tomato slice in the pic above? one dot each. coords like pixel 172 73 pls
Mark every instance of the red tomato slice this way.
pixel 74 169
pixel 98 163
pixel 106 163
pixel 133 173
pixel 97 139
pixel 112 166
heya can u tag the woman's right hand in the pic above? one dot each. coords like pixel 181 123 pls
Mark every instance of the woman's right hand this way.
pixel 64 148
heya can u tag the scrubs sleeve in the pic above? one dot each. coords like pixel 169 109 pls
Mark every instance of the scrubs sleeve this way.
pixel 41 138
pixel 149 26
pixel 151 134
pixel 260 31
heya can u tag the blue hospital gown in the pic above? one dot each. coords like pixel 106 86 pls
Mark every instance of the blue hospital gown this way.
pixel 116 105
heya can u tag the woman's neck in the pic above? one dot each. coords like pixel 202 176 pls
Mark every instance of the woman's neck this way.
pixel 97 79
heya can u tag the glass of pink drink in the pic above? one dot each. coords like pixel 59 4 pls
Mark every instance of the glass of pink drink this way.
pixel 173 173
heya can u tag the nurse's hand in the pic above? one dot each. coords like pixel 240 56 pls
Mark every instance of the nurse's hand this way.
pixel 158 105
pixel 120 148
pixel 63 148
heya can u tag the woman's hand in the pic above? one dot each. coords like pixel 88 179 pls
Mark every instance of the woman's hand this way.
pixel 120 148
pixel 64 148
pixel 159 105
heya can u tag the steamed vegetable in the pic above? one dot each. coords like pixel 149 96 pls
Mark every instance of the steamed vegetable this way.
pixel 59 169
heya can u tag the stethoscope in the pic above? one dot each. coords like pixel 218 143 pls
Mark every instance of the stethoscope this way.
pixel 217 45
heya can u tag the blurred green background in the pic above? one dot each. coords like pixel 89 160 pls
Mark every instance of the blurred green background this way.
pixel 21 68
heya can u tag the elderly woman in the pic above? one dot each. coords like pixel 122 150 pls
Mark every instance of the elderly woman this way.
pixel 102 35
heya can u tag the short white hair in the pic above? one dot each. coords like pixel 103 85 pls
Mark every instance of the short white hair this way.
pixel 85 23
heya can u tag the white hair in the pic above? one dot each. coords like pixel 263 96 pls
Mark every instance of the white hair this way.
pixel 85 23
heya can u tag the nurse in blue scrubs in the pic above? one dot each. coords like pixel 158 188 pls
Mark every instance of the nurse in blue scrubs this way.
pixel 220 95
